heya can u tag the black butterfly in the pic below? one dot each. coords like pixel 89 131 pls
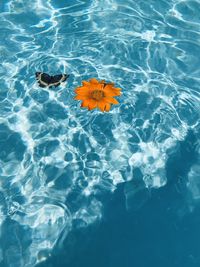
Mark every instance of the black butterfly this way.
pixel 46 80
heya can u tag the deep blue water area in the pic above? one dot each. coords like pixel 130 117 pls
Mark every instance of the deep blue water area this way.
pixel 153 236
pixel 82 188
pixel 160 233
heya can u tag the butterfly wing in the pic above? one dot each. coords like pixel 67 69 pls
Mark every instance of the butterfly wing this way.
pixel 44 79
pixel 56 80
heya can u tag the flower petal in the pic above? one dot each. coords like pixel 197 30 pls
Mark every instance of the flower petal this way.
pixel 111 100
pixel 110 93
pixel 85 83
pixel 85 103
pixel 82 90
pixel 107 107
pixel 112 88
pixel 93 80
pixel 92 104
pixel 101 105
pixel 103 81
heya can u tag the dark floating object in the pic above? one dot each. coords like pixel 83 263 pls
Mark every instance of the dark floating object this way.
pixel 46 80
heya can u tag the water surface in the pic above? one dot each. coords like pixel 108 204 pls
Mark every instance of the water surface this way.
pixel 81 188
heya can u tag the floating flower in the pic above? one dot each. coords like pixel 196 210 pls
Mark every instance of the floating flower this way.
pixel 97 94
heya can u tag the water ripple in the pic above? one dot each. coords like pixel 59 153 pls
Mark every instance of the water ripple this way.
pixel 58 158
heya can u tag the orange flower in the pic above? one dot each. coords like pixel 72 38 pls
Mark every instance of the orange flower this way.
pixel 97 94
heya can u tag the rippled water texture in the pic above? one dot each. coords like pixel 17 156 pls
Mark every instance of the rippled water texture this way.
pixel 57 160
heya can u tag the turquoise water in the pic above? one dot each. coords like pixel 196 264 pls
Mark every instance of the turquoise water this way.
pixel 80 188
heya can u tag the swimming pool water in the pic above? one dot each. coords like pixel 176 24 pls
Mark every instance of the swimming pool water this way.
pixel 80 188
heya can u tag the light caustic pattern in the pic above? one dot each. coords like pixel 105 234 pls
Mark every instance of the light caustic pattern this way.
pixel 55 158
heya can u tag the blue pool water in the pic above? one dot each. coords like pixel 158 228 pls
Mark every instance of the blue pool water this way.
pixel 84 189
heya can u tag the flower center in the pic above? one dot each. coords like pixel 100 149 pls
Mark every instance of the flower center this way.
pixel 97 95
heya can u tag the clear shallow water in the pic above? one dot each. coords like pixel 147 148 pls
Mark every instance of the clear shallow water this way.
pixel 83 188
